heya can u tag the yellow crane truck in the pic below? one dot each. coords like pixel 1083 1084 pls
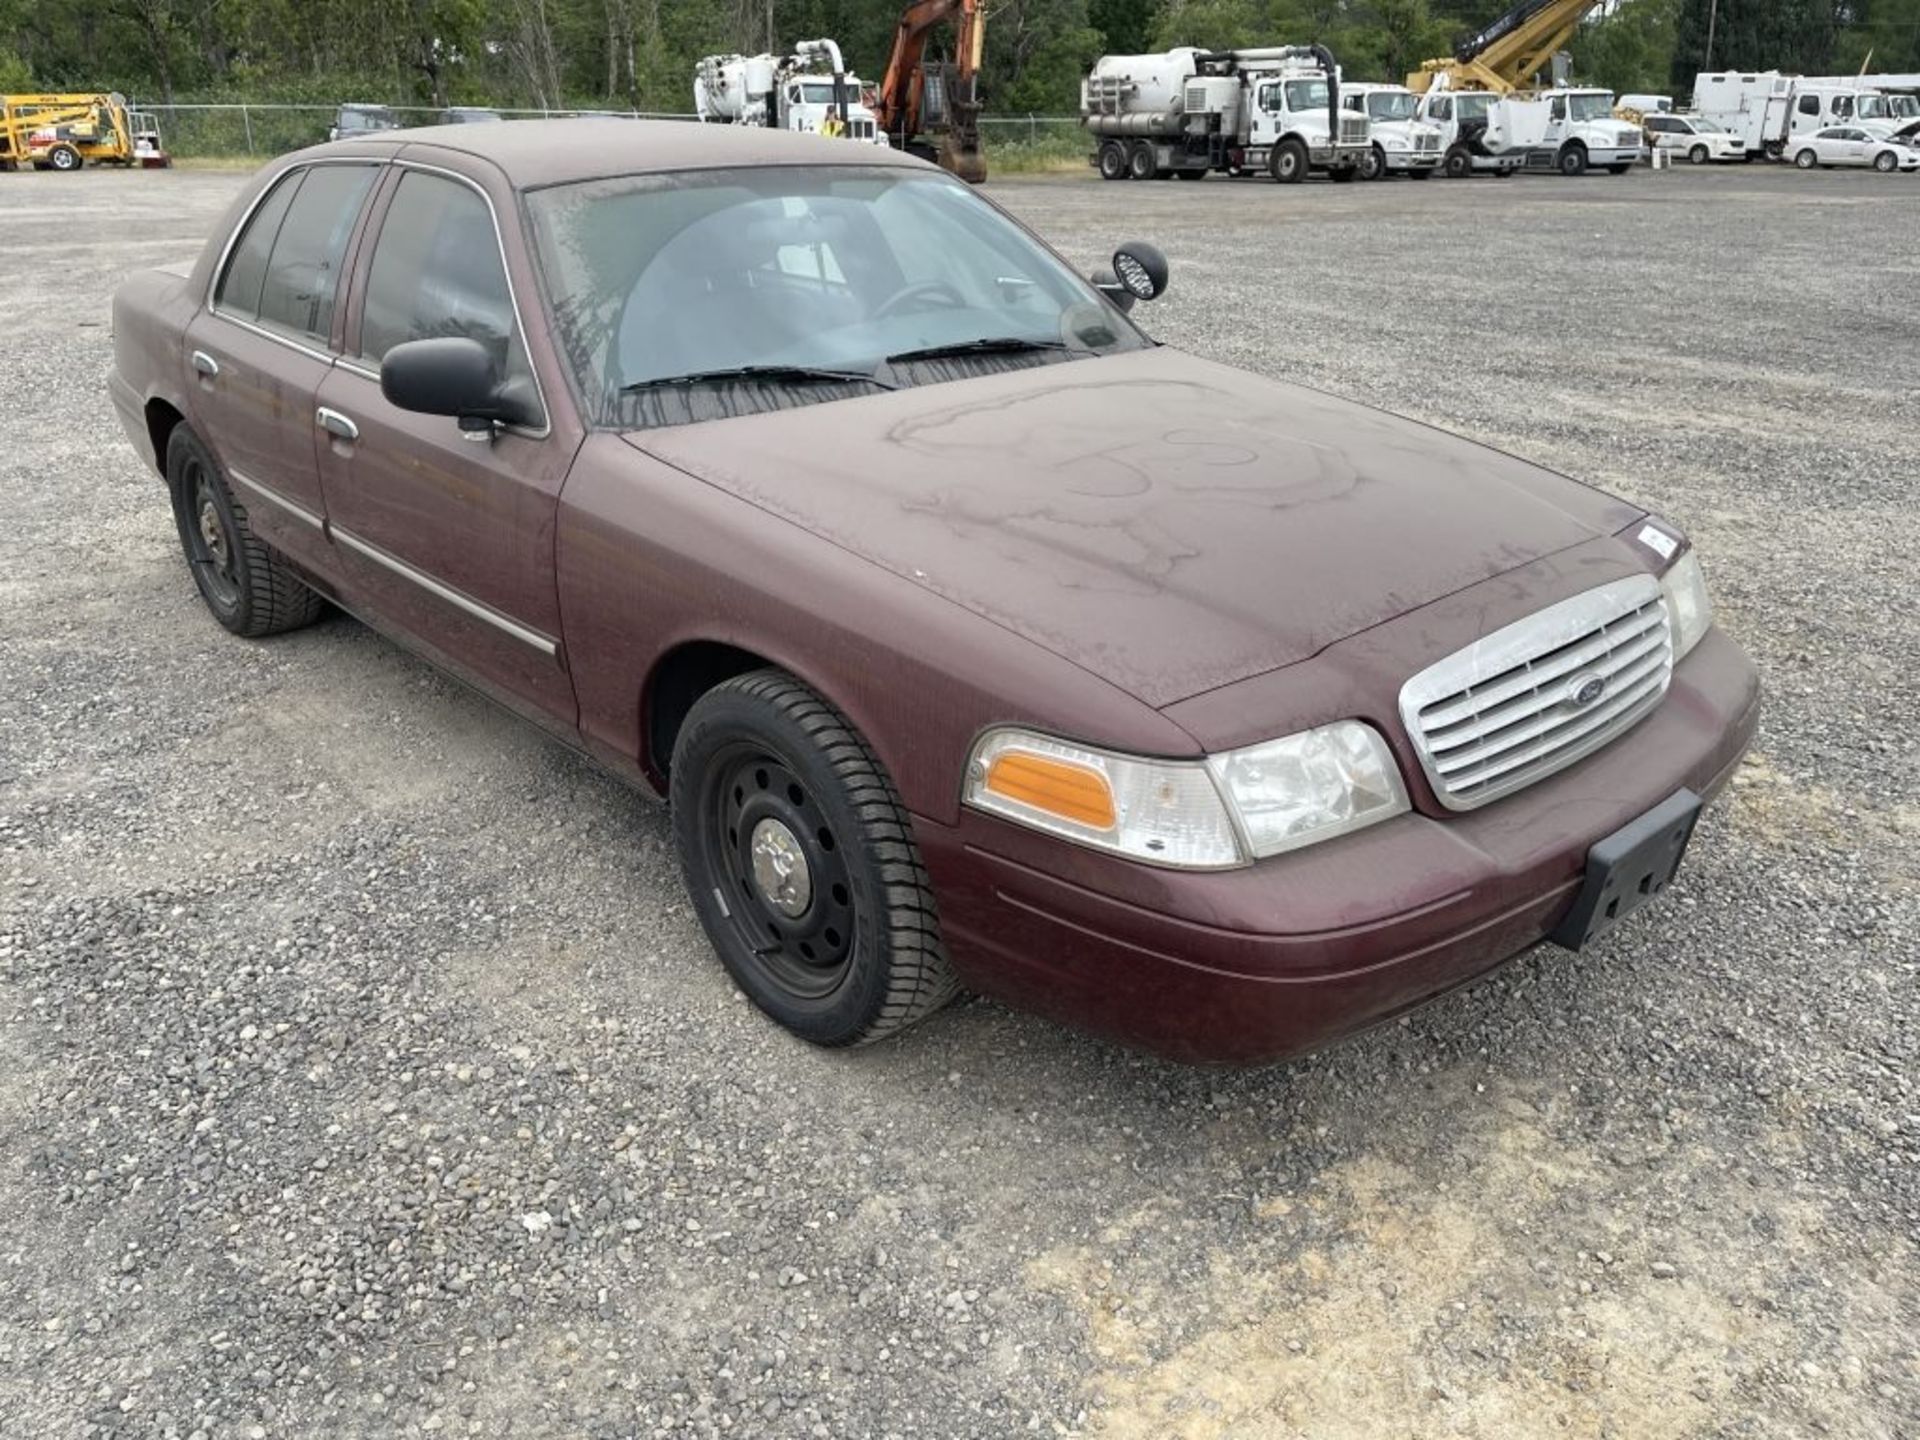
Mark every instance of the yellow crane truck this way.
pixel 65 132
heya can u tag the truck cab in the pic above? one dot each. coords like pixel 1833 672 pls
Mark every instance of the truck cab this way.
pixel 1476 134
pixel 1402 144
pixel 1290 124
pixel 807 104
pixel 1574 130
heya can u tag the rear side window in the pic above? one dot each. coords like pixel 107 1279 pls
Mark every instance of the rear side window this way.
pixel 239 291
pixel 437 272
pixel 304 270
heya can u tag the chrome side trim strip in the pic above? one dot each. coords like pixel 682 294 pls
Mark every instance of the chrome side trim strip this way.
pixel 274 497
pixel 546 645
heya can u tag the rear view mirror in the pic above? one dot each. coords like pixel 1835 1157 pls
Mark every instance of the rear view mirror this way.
pixel 455 376
pixel 1139 273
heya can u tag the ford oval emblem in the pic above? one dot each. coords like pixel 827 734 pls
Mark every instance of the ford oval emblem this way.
pixel 1587 689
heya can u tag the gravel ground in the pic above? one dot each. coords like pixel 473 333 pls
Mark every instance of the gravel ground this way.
pixel 363 1072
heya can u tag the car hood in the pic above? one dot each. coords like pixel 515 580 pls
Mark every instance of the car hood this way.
pixel 1169 524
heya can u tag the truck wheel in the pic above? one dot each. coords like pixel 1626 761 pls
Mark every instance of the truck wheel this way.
pixel 1885 162
pixel 1140 163
pixel 64 157
pixel 1289 162
pixel 1374 166
pixel 800 861
pixel 1698 155
pixel 1423 172
pixel 1191 174
pixel 245 583
pixel 1113 161
pixel 1573 160
pixel 1458 164
pixel 1806 160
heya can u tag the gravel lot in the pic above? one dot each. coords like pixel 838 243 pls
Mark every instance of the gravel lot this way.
pixel 363 1072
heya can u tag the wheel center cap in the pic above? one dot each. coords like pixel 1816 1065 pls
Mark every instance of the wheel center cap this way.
pixel 211 532
pixel 780 871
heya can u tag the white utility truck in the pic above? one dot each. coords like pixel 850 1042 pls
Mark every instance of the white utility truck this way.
pixel 1572 131
pixel 1402 145
pixel 1476 132
pixel 787 92
pixel 1190 111
pixel 1767 109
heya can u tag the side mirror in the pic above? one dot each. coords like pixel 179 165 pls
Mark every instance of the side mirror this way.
pixel 455 376
pixel 1139 273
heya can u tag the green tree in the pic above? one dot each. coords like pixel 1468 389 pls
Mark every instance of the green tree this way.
pixel 1796 35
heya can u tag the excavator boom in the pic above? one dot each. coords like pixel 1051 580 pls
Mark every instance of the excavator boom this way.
pixel 940 102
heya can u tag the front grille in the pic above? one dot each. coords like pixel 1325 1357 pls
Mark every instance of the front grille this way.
pixel 1537 695
pixel 1353 129
pixel 1426 142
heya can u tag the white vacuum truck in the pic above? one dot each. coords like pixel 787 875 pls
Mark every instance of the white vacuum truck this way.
pixel 1189 112
pixel 788 92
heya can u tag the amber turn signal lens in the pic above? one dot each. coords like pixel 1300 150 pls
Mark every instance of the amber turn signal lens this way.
pixel 1057 787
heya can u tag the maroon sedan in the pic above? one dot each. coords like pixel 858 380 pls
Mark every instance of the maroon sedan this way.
pixel 976 638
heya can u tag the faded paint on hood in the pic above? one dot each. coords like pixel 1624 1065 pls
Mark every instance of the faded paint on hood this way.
pixel 1169 524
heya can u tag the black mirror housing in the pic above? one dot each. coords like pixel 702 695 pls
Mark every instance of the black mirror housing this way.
pixel 1141 269
pixel 452 375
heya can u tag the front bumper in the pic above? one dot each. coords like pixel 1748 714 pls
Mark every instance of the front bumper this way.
pixel 1253 965
pixel 1401 161
pixel 1625 155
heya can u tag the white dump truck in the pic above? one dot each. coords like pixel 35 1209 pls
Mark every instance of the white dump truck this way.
pixel 1767 109
pixel 1476 132
pixel 1402 144
pixel 1189 112
pixel 808 90
pixel 1573 131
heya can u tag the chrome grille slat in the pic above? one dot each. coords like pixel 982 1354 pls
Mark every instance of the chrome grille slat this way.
pixel 1609 667
pixel 1517 705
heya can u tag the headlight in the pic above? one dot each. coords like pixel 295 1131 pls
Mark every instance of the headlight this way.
pixel 1689 612
pixel 1199 815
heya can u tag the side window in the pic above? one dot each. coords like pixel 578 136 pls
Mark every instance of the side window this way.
pixel 436 272
pixel 239 288
pixel 305 269
pixel 1442 109
pixel 1558 109
pixel 1809 104
pixel 1843 107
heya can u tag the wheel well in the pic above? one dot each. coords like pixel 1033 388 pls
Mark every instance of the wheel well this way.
pixel 161 418
pixel 680 678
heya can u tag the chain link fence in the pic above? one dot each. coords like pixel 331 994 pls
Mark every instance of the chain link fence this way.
pixel 263 131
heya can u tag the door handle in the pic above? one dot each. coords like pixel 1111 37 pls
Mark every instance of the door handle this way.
pixel 336 424
pixel 205 364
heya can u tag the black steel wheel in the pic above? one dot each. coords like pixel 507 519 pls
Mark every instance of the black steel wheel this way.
pixel 1573 160
pixel 246 584
pixel 800 861
pixel 1458 164
pixel 1113 161
pixel 1288 162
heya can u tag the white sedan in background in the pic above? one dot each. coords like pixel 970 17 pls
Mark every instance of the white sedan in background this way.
pixel 1846 145
pixel 1700 140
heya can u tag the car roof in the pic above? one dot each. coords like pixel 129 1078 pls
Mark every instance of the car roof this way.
pixel 533 153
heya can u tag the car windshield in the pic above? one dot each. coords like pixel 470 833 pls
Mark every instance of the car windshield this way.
pixel 1389 105
pixel 1306 94
pixel 799 276
pixel 1590 106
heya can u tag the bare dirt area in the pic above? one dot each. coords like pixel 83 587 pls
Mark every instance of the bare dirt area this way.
pixel 364 1073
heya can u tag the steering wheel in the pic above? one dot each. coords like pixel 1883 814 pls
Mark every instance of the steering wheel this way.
pixel 917 290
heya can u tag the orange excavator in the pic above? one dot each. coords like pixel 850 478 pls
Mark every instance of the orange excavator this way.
pixel 933 108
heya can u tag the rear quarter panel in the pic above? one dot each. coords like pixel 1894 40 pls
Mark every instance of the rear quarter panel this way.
pixel 151 311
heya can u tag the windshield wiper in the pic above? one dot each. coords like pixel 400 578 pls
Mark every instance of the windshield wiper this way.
pixel 779 374
pixel 991 345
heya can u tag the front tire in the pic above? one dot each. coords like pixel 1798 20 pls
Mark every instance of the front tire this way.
pixel 249 588
pixel 1885 162
pixel 1573 161
pixel 1374 167
pixel 1289 162
pixel 1458 164
pixel 800 860
pixel 1698 155
pixel 64 158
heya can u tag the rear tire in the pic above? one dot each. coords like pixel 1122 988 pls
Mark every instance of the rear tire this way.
pixel 64 158
pixel 800 861
pixel 1113 161
pixel 244 581
pixel 1141 164
pixel 1698 155
pixel 1288 162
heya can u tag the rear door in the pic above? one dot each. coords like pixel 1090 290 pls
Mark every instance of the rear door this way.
pixel 259 351
pixel 447 537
